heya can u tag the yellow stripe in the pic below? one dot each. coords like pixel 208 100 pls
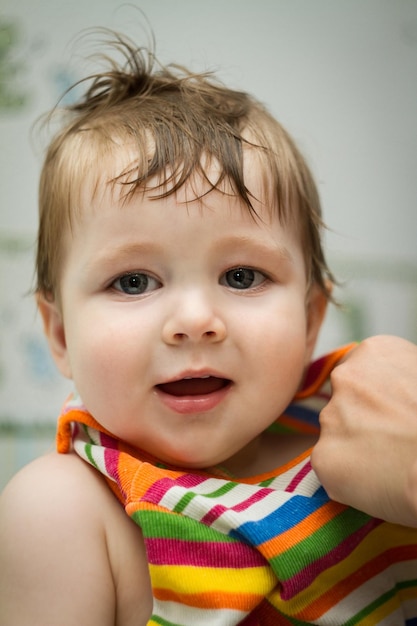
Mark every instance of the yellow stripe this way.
pixel 382 538
pixel 408 594
pixel 380 613
pixel 192 580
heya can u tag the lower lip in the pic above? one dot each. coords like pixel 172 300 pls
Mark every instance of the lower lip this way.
pixel 187 405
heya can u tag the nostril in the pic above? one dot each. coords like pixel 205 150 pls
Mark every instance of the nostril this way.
pixel 209 334
pixel 206 331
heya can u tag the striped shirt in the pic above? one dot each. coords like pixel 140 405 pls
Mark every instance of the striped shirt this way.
pixel 267 550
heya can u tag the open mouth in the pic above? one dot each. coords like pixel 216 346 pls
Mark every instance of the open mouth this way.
pixel 194 386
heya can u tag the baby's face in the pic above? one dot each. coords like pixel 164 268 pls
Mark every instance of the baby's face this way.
pixel 186 325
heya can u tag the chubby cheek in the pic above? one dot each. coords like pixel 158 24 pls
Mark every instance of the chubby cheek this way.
pixel 279 351
pixel 95 361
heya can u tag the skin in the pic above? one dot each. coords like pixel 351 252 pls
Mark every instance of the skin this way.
pixel 125 347
pixel 191 319
pixel 66 550
pixel 369 431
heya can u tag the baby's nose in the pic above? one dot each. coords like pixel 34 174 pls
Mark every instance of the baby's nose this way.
pixel 195 319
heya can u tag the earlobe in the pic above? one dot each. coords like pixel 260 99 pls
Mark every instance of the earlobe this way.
pixel 316 311
pixel 54 330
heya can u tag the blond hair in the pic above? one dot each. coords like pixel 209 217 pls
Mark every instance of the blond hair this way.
pixel 175 119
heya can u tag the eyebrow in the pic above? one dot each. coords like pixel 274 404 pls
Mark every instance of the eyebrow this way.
pixel 233 243
pixel 237 242
pixel 122 253
pixel 129 249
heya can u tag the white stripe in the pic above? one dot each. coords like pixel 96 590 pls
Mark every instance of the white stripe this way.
pixel 367 593
pixel 201 505
pixel 282 481
pixel 97 453
pixel 192 616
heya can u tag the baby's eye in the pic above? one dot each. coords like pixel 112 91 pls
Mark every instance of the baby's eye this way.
pixel 136 283
pixel 242 278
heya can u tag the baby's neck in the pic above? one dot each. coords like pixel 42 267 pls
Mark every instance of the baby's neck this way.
pixel 267 453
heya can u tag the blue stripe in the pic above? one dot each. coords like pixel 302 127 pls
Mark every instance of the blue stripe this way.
pixel 302 413
pixel 279 521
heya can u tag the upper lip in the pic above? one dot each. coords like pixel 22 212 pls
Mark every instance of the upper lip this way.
pixel 190 374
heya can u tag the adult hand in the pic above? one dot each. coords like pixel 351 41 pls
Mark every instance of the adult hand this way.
pixel 366 455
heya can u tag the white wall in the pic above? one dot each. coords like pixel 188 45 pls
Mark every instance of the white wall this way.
pixel 341 75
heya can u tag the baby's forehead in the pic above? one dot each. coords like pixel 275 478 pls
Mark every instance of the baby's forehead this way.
pixel 115 169
pixel 122 169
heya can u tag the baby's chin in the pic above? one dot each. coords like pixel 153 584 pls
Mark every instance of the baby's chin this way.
pixel 197 462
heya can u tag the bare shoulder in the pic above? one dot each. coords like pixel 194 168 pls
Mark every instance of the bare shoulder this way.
pixel 63 540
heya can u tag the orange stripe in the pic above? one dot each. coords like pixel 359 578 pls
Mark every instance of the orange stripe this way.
pixel 408 594
pixel 330 361
pixel 356 579
pixel 132 507
pixel 303 428
pixel 298 533
pixel 217 600
pixel 255 480
pixel 63 434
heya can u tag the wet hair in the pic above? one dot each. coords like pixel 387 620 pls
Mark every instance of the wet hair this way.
pixel 178 122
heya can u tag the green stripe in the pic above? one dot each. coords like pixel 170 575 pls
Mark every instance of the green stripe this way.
pixel 86 431
pixel 188 497
pixel 87 448
pixel 319 543
pixel 284 429
pixel 386 597
pixel 293 620
pixel 371 607
pixel 163 524
pixel 407 584
pixel 366 611
pixel 267 482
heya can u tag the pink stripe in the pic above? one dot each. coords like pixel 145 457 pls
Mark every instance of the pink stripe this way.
pixel 253 499
pixel 111 460
pixel 214 513
pixel 306 469
pixel 218 510
pixel 190 480
pixel 108 442
pixel 314 371
pixel 158 490
pixel 202 553
pixel 305 577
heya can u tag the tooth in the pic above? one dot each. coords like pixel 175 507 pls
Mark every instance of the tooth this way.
pixel 193 377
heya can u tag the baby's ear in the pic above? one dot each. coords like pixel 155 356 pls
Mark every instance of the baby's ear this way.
pixel 53 327
pixel 316 310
